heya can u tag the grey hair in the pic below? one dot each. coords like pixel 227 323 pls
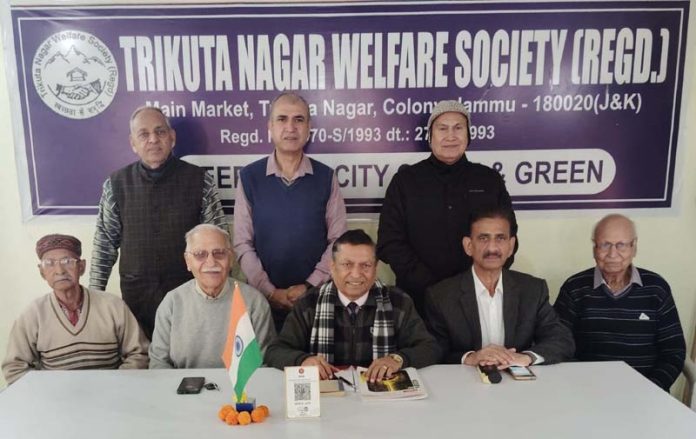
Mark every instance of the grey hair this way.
pixel 207 228
pixel 611 217
pixel 147 107
pixel 293 97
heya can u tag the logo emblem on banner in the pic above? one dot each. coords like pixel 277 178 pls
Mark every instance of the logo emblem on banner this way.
pixel 75 74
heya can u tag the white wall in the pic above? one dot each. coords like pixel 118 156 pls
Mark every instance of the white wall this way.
pixel 553 245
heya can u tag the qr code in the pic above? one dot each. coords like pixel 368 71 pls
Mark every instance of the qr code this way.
pixel 303 392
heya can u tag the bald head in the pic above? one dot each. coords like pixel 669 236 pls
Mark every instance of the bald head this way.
pixel 615 246
pixel 614 220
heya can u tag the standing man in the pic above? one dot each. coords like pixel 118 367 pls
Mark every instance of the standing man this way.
pixel 488 315
pixel 427 206
pixel 288 211
pixel 617 311
pixel 145 210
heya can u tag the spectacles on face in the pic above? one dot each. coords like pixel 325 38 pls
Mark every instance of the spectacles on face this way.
pixel 64 262
pixel 160 133
pixel 364 267
pixel 219 254
pixel 621 246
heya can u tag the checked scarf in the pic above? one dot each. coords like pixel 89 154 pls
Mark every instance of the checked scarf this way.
pixel 321 341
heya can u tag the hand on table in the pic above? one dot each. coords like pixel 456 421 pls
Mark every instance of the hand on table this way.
pixel 326 370
pixel 382 368
pixel 492 354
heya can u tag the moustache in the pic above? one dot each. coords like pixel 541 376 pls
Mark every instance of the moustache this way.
pixel 492 255
pixel 212 270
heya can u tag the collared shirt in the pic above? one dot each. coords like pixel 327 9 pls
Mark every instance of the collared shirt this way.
pixel 599 281
pixel 304 168
pixel 200 291
pixel 73 316
pixel 244 229
pixel 490 311
pixel 360 301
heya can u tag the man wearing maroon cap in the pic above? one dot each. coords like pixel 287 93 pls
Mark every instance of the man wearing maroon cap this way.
pixel 72 327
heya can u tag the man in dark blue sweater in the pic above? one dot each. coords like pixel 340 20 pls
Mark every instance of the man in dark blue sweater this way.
pixel 288 211
pixel 617 311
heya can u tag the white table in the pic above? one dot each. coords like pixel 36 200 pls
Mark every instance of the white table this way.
pixel 572 400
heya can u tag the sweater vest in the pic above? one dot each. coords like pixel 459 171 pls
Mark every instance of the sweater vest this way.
pixel 289 221
pixel 155 216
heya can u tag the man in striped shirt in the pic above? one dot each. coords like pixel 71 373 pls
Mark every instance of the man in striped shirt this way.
pixel 617 311
pixel 145 210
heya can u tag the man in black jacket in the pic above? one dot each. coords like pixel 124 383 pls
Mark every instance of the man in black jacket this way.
pixel 427 206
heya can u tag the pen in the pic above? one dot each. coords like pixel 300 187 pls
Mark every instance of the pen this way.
pixel 347 382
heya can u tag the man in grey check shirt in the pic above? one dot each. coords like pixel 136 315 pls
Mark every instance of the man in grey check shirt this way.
pixel 145 210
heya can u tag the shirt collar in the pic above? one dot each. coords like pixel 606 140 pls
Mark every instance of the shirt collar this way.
pixel 207 297
pixel 481 289
pixel 599 279
pixel 360 300
pixel 79 305
pixel 305 167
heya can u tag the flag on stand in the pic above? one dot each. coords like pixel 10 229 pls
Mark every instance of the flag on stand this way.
pixel 242 355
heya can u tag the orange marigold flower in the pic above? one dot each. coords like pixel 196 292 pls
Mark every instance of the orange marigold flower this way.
pixel 224 410
pixel 258 414
pixel 232 417
pixel 265 410
pixel 244 418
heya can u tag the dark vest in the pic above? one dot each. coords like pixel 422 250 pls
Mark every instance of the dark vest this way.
pixel 289 221
pixel 155 216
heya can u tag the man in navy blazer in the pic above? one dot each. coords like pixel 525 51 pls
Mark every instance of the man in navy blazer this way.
pixel 488 315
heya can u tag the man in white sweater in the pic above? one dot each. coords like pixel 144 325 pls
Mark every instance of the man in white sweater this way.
pixel 191 322
pixel 72 327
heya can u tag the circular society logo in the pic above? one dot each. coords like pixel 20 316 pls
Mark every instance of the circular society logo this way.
pixel 75 74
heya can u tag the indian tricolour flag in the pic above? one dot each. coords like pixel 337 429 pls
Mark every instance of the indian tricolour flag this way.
pixel 242 355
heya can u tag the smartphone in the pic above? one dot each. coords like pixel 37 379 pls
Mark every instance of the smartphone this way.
pixel 190 385
pixel 521 373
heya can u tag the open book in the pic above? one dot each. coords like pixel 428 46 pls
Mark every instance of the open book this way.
pixel 403 385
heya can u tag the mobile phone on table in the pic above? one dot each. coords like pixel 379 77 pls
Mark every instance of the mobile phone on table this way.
pixel 522 373
pixel 190 385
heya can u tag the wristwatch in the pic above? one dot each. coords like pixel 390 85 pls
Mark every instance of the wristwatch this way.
pixel 398 358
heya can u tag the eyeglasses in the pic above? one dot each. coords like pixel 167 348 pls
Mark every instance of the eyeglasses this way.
pixel 64 262
pixel 621 246
pixel 219 254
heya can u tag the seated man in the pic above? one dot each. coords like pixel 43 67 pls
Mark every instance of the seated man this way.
pixel 191 322
pixel 72 327
pixel 488 315
pixel 354 320
pixel 617 311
